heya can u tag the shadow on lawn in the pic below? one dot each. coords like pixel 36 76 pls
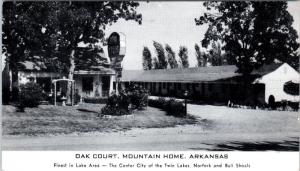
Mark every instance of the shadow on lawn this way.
pixel 255 146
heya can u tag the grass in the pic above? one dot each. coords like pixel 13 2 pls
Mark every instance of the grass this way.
pixel 47 120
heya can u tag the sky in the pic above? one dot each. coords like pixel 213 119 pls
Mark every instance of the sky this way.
pixel 170 22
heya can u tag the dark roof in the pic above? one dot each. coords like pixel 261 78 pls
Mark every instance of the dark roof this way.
pixel 198 74
pixel 266 69
pixel 90 59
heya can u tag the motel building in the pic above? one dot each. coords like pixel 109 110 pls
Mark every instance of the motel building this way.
pixel 217 84
pixel 214 84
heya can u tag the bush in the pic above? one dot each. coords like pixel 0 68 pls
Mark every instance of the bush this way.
pixel 135 95
pixel 293 105
pixel 159 103
pixel 117 105
pixel 138 96
pixel 175 108
pixel 172 107
pixel 30 95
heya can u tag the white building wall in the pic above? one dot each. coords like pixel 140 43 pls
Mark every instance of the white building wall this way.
pixel 274 83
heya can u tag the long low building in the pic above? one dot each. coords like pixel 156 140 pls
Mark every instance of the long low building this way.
pixel 217 83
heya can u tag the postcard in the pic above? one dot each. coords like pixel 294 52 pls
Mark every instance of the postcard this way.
pixel 144 85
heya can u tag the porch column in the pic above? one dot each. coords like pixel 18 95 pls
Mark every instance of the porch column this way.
pixel 73 92
pixel 100 86
pixel 101 89
pixel 111 84
pixel 54 93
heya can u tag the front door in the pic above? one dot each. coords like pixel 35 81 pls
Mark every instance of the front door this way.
pixel 105 85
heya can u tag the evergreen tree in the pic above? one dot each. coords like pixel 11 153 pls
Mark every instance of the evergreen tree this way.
pixel 156 64
pixel 183 55
pixel 160 52
pixel 147 60
pixel 171 57
pixel 199 56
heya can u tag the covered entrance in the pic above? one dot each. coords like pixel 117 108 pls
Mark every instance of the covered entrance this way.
pixel 60 90
pixel 93 84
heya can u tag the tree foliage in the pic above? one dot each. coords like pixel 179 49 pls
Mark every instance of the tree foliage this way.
pixel 216 57
pixel 147 60
pixel 160 52
pixel 59 25
pixel 156 64
pixel 253 32
pixel 22 34
pixel 183 55
pixel 171 57
pixel 199 56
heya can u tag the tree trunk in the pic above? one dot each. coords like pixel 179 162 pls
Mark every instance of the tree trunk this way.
pixel 70 75
pixel 6 85
pixel 15 85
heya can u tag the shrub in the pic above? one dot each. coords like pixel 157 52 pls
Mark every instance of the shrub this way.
pixel 293 105
pixel 30 95
pixel 135 95
pixel 138 96
pixel 116 105
pixel 172 107
pixel 175 108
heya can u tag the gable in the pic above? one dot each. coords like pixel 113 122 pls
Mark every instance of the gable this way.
pixel 284 73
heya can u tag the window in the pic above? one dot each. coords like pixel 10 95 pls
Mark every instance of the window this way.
pixel 164 85
pixel 87 84
pixel 210 87
pixel 179 86
pixel 146 85
pixel 202 88
pixel 188 86
pixel 224 87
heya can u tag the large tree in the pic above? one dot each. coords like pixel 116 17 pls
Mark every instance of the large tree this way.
pixel 183 55
pixel 171 57
pixel 68 24
pixel 23 34
pixel 147 60
pixel 160 52
pixel 86 21
pixel 253 32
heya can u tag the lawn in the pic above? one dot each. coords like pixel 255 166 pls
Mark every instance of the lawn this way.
pixel 210 128
pixel 47 120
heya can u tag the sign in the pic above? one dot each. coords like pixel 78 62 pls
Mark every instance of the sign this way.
pixel 116 48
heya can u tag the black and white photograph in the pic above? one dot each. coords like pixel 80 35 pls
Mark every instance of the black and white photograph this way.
pixel 150 76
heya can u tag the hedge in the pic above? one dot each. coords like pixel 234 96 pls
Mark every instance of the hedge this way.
pixel 172 107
